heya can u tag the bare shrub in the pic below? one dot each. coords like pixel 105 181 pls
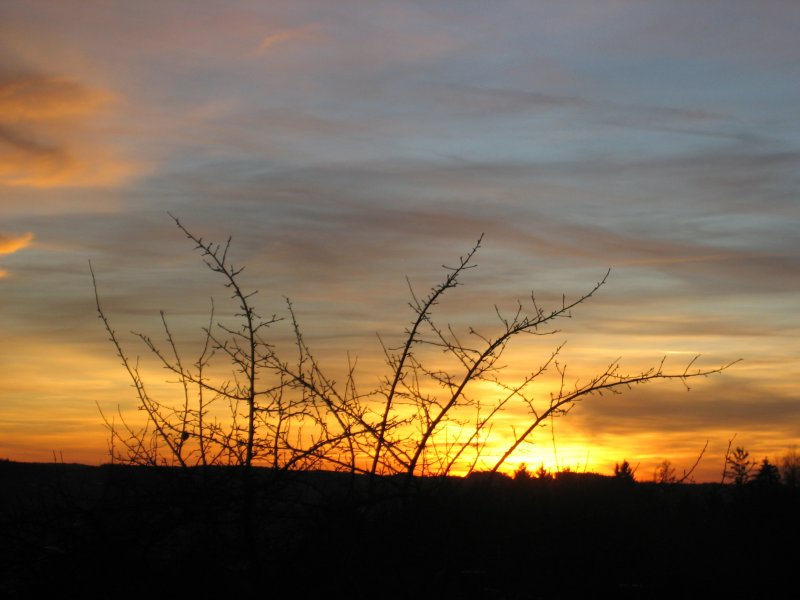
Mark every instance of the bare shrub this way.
pixel 425 417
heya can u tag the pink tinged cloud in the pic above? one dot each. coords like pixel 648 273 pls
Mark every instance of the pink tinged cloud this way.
pixel 293 34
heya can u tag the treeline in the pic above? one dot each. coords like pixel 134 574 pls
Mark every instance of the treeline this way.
pixel 172 531
pixel 739 469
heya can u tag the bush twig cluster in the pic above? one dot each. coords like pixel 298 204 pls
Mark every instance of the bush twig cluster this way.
pixel 425 417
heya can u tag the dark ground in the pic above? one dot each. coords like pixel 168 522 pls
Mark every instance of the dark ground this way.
pixel 157 532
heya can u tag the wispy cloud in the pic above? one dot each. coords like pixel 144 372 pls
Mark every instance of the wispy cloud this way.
pixel 36 97
pixel 9 244
pixel 14 243
pixel 292 34
pixel 45 138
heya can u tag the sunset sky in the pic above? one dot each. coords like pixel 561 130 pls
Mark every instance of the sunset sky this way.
pixel 346 145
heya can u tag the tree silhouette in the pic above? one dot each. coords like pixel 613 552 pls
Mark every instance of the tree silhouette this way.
pixel 665 473
pixel 521 473
pixel 430 415
pixel 767 474
pixel 790 468
pixel 740 466
pixel 624 471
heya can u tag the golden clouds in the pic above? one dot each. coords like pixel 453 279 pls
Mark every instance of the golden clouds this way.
pixel 46 137
pixel 35 98
pixel 9 244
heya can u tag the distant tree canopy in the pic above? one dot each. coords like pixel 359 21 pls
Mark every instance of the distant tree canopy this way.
pixel 767 474
pixel 624 471
pixel 665 473
pixel 790 468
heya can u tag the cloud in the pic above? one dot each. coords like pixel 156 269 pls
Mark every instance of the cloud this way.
pixel 27 162
pixel 269 41
pixel 729 403
pixel 46 137
pixel 11 243
pixel 33 97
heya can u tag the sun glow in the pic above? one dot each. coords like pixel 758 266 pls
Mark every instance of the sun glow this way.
pixel 347 149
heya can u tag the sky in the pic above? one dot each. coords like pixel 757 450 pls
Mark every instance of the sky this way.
pixel 346 146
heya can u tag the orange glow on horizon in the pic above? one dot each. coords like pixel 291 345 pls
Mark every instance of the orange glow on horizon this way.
pixel 354 154
pixel 101 381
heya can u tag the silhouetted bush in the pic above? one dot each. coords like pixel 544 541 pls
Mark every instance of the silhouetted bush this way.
pixel 289 414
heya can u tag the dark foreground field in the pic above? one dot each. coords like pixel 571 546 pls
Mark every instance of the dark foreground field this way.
pixel 157 533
